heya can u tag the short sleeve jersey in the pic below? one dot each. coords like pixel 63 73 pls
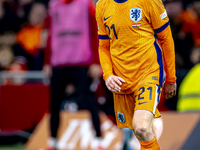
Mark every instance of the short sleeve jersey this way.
pixel 130 25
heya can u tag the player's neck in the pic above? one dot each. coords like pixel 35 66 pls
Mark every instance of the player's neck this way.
pixel 120 1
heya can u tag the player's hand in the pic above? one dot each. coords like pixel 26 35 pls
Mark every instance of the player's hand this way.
pixel 113 83
pixel 169 90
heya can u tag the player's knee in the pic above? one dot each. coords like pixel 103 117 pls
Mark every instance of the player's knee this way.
pixel 142 133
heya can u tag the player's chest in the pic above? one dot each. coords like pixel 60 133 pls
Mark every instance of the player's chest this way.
pixel 124 17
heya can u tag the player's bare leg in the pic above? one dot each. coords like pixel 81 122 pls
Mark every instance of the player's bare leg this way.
pixel 144 131
pixel 158 128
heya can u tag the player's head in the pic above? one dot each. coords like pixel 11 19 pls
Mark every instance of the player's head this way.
pixel 196 7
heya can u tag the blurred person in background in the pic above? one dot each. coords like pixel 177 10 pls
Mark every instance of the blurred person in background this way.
pixel 188 95
pixel 189 91
pixel 8 62
pixel 33 37
pixel 22 8
pixel 192 27
pixel 72 57
pixel 6 57
pixel 9 25
pixel 174 9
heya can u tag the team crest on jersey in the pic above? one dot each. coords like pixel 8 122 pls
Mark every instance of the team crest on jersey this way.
pixel 121 117
pixel 136 14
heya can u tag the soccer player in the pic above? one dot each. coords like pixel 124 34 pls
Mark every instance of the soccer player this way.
pixel 135 48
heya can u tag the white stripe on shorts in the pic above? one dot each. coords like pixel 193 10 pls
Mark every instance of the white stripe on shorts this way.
pixel 156 99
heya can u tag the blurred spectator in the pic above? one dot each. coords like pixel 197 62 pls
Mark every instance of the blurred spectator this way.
pixel 71 58
pixel 6 57
pixel 33 38
pixel 9 25
pixel 175 10
pixel 189 92
pixel 10 63
pixel 192 24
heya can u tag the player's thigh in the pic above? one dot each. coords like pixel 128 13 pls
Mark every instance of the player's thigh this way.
pixel 146 101
pixel 124 110
pixel 147 98
pixel 143 119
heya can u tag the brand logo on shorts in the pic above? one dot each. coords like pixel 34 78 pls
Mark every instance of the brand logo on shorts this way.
pixel 140 103
pixel 121 117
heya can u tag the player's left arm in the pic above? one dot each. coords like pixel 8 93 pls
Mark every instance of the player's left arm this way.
pixel 161 25
pixel 167 44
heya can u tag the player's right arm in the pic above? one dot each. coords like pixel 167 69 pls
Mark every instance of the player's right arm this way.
pixel 104 43
pixel 104 52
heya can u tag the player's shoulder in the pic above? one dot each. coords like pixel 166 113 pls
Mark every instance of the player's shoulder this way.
pixel 144 4
pixel 101 3
pixel 153 2
pixel 147 4
pixel 101 6
pixel 150 1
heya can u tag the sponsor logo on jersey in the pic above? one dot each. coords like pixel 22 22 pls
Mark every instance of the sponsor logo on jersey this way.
pixel 140 103
pixel 164 15
pixel 106 18
pixel 136 25
pixel 136 14
pixel 121 117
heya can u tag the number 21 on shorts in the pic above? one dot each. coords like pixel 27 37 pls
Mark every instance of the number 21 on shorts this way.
pixel 147 92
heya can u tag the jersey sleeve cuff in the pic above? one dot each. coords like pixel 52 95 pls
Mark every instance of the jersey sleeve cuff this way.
pixel 105 76
pixel 170 81
pixel 162 28
pixel 103 37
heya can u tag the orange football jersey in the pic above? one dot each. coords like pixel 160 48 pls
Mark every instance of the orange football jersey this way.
pixel 128 46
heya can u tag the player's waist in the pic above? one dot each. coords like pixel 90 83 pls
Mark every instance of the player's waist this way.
pixel 135 77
